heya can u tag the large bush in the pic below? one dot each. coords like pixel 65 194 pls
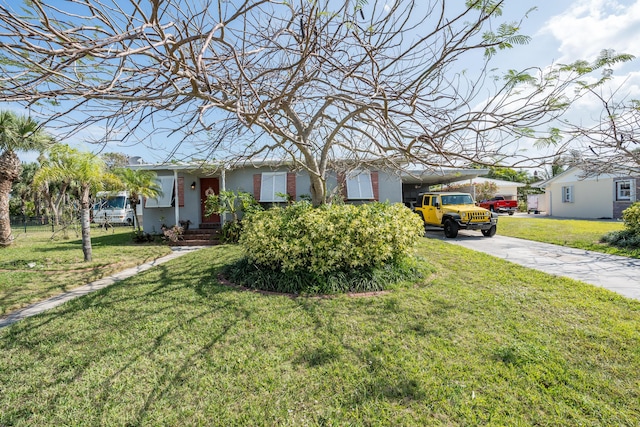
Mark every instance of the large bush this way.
pixel 631 218
pixel 630 236
pixel 331 237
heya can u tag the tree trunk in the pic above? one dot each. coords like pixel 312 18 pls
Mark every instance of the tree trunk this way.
pixel 136 218
pixel 10 169
pixel 6 238
pixel 318 190
pixel 86 224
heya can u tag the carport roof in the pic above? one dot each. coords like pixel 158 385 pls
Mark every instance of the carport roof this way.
pixel 440 176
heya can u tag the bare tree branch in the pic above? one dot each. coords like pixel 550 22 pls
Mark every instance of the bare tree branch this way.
pixel 310 82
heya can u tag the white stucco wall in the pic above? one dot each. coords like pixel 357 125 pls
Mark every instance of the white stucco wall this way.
pixel 592 197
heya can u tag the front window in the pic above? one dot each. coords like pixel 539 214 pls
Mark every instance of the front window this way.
pixel 360 186
pixel 623 190
pixel 273 186
pixel 166 198
pixel 567 194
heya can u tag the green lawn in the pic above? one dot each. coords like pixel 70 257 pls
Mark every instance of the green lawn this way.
pixel 35 267
pixel 478 342
pixel 581 234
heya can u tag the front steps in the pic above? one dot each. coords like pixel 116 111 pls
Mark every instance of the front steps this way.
pixel 204 236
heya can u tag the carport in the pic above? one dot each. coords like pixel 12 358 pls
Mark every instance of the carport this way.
pixel 416 180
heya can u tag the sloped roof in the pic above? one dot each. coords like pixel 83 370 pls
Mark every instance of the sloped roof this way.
pixel 585 172
pixel 411 175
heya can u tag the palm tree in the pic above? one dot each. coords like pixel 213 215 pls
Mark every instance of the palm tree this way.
pixel 23 188
pixel 139 183
pixel 88 172
pixel 17 133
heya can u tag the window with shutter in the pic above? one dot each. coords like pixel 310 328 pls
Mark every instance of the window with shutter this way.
pixel 359 186
pixel 165 200
pixel 567 194
pixel 272 184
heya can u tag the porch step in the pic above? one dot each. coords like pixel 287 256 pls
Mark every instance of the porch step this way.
pixel 199 237
pixel 209 226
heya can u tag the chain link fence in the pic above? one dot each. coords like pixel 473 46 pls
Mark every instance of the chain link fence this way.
pixel 27 224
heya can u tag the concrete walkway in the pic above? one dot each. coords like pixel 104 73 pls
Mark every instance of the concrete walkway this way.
pixel 616 273
pixel 55 301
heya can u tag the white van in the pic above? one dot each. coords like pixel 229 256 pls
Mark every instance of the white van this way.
pixel 113 207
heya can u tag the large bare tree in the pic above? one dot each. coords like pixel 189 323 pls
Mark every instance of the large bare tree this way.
pixel 308 82
pixel 611 143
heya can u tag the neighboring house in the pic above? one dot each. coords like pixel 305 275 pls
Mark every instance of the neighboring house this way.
pixel 185 188
pixel 508 189
pixel 577 194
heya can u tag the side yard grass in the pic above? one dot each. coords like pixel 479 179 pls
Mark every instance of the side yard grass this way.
pixel 479 342
pixel 575 233
pixel 35 267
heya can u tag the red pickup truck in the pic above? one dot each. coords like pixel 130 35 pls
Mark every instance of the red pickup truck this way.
pixel 500 204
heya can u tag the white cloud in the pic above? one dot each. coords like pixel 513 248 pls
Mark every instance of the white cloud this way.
pixel 622 88
pixel 589 26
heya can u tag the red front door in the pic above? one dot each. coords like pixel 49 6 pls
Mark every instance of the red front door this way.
pixel 208 186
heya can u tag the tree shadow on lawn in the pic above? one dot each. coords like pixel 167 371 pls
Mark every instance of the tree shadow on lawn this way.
pixel 153 329
pixel 119 239
pixel 380 359
pixel 126 324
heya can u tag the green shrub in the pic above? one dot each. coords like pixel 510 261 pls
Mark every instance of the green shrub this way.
pixel 631 218
pixel 330 237
pixel 629 238
pixel 233 203
pixel 626 238
pixel 371 279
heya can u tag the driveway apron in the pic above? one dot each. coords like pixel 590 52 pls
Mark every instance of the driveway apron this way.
pixel 616 273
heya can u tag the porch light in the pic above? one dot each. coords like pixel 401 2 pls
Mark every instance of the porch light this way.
pixel 193 185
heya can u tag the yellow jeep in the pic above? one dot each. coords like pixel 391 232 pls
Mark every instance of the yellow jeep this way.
pixel 455 211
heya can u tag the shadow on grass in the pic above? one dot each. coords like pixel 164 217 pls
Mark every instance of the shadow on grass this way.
pixel 381 373
pixel 97 241
pixel 152 336
pixel 153 307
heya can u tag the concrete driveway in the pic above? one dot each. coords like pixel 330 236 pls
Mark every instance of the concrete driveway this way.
pixel 619 274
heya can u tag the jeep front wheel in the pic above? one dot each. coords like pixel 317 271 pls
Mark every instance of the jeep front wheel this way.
pixel 490 232
pixel 450 229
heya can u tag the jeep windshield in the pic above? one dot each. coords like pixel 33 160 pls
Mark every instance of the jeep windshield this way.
pixel 458 199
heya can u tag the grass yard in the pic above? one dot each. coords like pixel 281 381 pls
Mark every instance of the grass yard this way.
pixel 35 267
pixel 580 234
pixel 478 342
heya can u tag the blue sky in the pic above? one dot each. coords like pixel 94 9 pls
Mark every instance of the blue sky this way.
pixel 562 31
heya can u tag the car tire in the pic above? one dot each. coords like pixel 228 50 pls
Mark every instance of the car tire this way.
pixel 450 229
pixel 490 232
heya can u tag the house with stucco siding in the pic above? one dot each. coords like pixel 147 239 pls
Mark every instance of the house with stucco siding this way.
pixel 578 194
pixel 185 187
